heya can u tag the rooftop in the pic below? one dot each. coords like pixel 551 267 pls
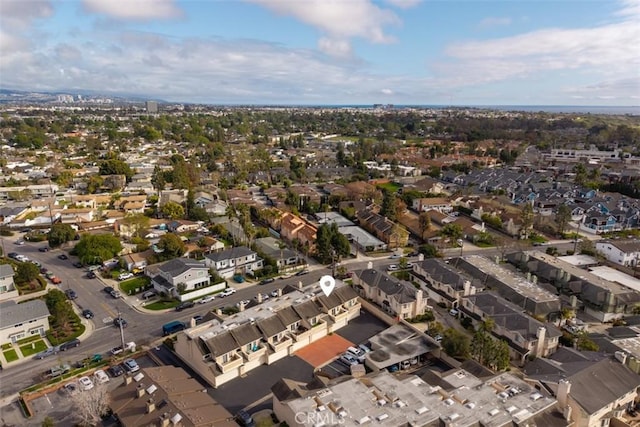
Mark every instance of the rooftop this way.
pixel 12 313
pixel 396 344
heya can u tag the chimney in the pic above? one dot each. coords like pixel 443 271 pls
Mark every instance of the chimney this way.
pixel 534 279
pixel 259 297
pixel 127 380
pixel 151 406
pixel 421 257
pixel 542 335
pixel 218 312
pixel 165 420
pixel 528 276
pixel 466 286
pixel 241 306
pixel 573 301
pixel 621 356
pixel 192 323
pixel 564 387
pixel 370 265
pixel 300 286
pixel 140 390
pixel 279 292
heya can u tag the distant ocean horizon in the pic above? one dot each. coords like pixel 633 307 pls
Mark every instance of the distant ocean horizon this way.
pixel 574 109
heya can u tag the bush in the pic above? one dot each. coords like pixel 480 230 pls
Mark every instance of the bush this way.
pixel 426 317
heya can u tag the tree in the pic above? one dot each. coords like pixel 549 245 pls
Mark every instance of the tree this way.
pixel 455 344
pixel 563 216
pixel 91 405
pixel 171 245
pixel 60 233
pixel 26 272
pixel 424 223
pixel 331 245
pixel 48 422
pixel 586 344
pixel 137 223
pixel 526 217
pixel 389 205
pixel 453 231
pixel 172 210
pixel 97 248
pixel 116 167
pixel 158 180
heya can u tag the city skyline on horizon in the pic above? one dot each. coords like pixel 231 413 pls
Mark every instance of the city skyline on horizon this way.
pixel 315 52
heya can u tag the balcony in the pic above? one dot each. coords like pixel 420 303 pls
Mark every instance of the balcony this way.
pixel 255 353
pixel 235 361
pixel 281 344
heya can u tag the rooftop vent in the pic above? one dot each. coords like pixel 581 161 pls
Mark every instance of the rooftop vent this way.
pixel 363 420
pixel 138 377
pixel 421 410
pixel 536 396
pixel 382 417
pixel 151 389
pixel 494 412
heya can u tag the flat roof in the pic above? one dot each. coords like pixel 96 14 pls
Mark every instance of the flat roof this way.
pixel 614 288
pixel 361 236
pixel 397 344
pixel 389 400
pixel 512 279
pixel 579 260
pixel 616 276
pixel 329 217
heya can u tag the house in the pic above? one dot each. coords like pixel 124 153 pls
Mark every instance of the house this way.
pixel 189 273
pixel 396 297
pixel 136 260
pixel 428 185
pixel 166 396
pixel 182 226
pixel 231 346
pixel 278 251
pixel 293 227
pixel 443 283
pixel 439 204
pixel 525 335
pixel 592 389
pixel 74 216
pixel 238 260
pixel 392 234
pixel 18 321
pixel 7 286
pixel 623 252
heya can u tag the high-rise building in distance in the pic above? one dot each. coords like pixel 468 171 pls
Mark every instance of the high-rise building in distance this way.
pixel 152 106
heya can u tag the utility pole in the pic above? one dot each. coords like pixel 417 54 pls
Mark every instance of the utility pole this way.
pixel 121 329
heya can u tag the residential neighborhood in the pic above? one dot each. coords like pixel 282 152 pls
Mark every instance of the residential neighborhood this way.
pixel 370 279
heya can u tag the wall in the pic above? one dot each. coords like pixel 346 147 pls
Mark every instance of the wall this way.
pixel 202 291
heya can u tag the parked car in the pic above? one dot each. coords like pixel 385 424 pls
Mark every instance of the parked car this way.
pixel 19 242
pixel 149 294
pixel 44 249
pixel 57 371
pixel 245 419
pixel 69 344
pixel 198 318
pixel 302 272
pixel 364 348
pixel 46 353
pixel 238 278
pixel 119 321
pixel 108 289
pixel 184 305
pixel 87 314
pixel 77 264
pixel 453 312
pixel 63 256
pixel 244 302
pixel 393 267
pixel 101 376
pixel 356 352
pixel 130 365
pixel 207 299
pixel 71 294
pixel 267 281
pixel 227 292
pixel 115 371
pixel 348 359
pixel 274 293
pixel 55 280
pixel 71 388
pixel 125 276
pixel 395 256
pixel 115 294
pixel 13 255
pixel 91 275
pixel 130 346
pixel 85 383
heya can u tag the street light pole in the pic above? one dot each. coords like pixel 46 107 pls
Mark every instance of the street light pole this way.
pixel 121 329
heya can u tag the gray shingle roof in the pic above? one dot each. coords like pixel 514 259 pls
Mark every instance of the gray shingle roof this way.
pixel 245 334
pixel 6 270
pixel 271 326
pixel 12 313
pixel 233 253
pixel 288 316
pixel 307 310
pixel 221 344
pixel 402 292
pixel 177 266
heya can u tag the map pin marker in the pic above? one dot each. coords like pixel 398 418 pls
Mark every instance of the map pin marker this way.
pixel 327 284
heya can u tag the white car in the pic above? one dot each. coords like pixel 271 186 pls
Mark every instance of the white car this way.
pixel 227 292
pixel 19 242
pixel 125 276
pixel 207 299
pixel 393 267
pixel 274 293
pixel 358 353
pixel 101 376
pixel 130 365
pixel 85 383
pixel 244 302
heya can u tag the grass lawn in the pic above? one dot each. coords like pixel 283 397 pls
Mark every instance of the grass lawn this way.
pixel 130 286
pixel 6 346
pixel 483 244
pixel 38 346
pixel 29 339
pixel 11 355
pixel 161 305
pixel 536 238
pixel 392 187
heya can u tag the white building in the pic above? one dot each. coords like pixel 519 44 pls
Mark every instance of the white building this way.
pixel 7 287
pixel 623 252
pixel 18 321
pixel 179 271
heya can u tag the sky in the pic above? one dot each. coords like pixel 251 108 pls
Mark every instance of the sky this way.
pixel 327 52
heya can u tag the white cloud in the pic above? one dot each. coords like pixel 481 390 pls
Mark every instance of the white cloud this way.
pixel 404 4
pixel 338 19
pixel 333 47
pixel 386 92
pixel 492 22
pixel 134 9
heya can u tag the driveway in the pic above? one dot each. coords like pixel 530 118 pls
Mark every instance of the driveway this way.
pixel 363 327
